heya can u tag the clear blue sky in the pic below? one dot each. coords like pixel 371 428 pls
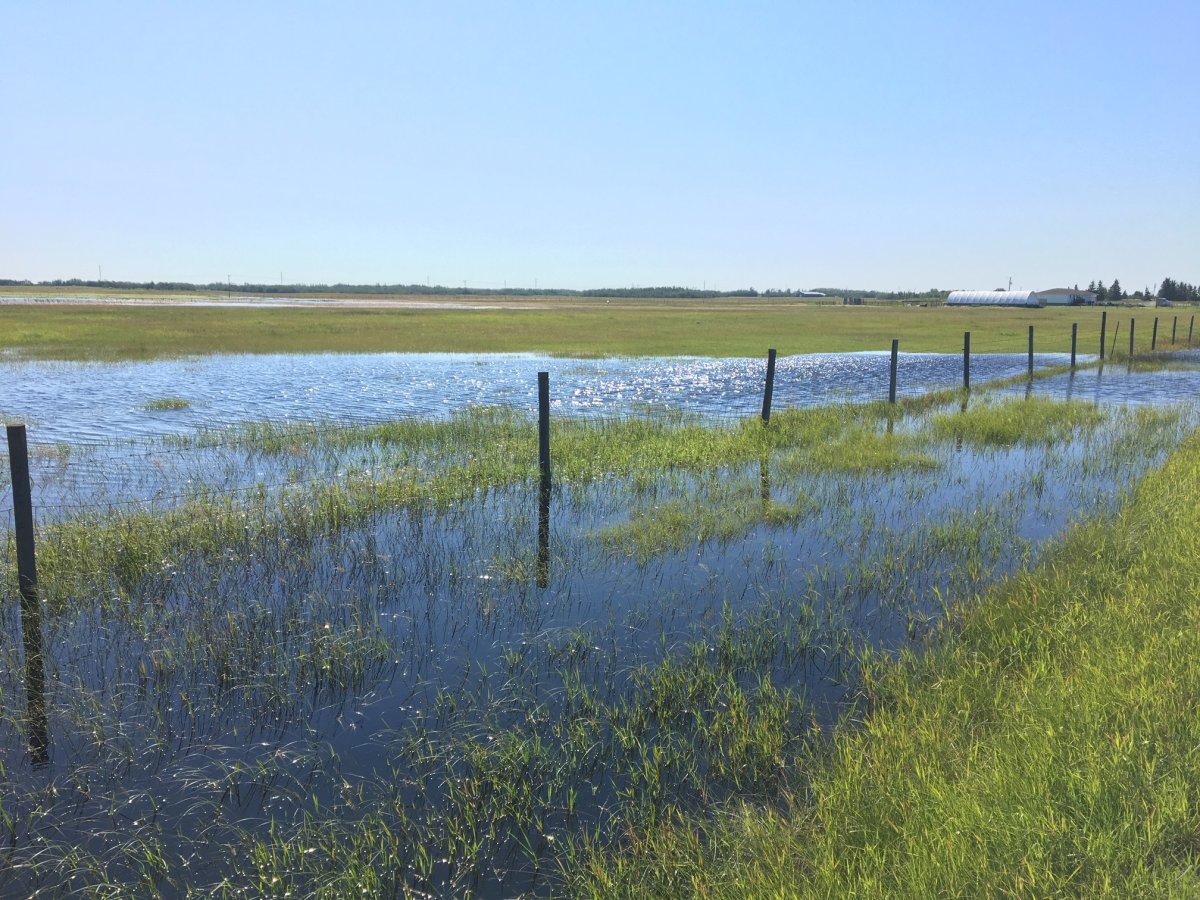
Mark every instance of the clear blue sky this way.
pixel 893 145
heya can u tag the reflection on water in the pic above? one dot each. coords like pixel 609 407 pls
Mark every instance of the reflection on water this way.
pixel 81 402
pixel 1117 382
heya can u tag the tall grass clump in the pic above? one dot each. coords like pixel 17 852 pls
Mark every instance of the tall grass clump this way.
pixel 1043 746
pixel 164 404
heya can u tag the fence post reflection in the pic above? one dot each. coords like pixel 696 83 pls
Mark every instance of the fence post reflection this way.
pixel 764 482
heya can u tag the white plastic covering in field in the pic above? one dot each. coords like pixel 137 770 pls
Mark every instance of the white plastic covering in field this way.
pixel 993 298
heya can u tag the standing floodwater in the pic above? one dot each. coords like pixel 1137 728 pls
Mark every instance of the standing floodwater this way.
pixel 283 654
pixel 71 401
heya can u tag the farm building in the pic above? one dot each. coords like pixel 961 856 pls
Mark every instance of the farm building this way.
pixel 1067 297
pixel 994 298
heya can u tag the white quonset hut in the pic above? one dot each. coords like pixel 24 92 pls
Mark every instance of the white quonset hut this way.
pixel 993 298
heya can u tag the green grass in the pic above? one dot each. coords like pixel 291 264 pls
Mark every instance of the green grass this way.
pixel 423 463
pixel 571 327
pixel 1045 745
pixel 1012 421
pixel 163 404
pixel 859 448
pixel 722 509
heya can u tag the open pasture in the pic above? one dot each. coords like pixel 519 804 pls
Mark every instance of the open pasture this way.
pixel 579 327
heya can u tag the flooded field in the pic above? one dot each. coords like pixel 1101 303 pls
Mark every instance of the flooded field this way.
pixel 82 402
pixel 290 645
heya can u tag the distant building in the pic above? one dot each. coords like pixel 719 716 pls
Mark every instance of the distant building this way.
pixel 1050 297
pixel 993 298
pixel 1067 297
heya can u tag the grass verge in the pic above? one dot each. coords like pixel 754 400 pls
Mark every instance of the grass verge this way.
pixel 1045 746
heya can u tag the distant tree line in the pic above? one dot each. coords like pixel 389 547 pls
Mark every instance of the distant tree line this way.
pixel 1170 290
pixel 852 293
pixel 665 292
pixel 1174 291
pixel 380 289
pixel 1178 291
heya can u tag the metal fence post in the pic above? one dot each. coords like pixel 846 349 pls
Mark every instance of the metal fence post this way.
pixel 769 387
pixel 892 384
pixel 31 613
pixel 966 360
pixel 542 567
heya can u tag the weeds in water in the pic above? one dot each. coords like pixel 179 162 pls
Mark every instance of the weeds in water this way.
pixel 162 404
pixel 1062 709
pixel 1009 422
pixel 718 510
pixel 365 679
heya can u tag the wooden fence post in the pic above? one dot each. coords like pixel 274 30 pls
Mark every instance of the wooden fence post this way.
pixel 1103 328
pixel 769 387
pixel 1154 334
pixel 1131 324
pixel 1074 339
pixel 1030 351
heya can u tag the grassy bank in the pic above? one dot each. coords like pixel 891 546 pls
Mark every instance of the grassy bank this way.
pixel 1044 746
pixel 579 328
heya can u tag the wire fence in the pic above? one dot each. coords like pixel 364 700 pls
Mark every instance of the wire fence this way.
pixel 162 461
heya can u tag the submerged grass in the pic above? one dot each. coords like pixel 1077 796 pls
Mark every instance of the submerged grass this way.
pixel 1012 421
pixel 720 510
pixel 418 463
pixel 860 449
pixel 227 646
pixel 166 404
pixel 1044 746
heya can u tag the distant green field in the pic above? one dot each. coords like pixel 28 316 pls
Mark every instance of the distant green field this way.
pixel 560 326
